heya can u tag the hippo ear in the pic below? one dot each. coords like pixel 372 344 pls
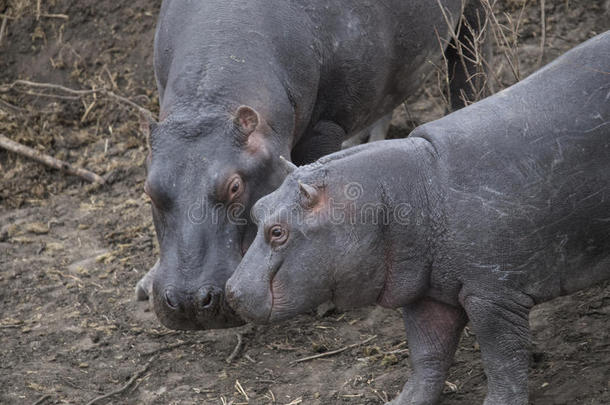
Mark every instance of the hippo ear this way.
pixel 310 193
pixel 246 120
pixel 288 165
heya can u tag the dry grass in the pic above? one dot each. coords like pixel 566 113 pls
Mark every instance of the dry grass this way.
pixel 86 113
pixel 503 31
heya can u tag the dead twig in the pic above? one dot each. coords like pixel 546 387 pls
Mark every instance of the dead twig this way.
pixel 3 27
pixel 542 32
pixel 42 399
pixel 236 350
pixel 61 16
pixel 11 326
pixel 443 74
pixel 384 398
pixel 67 381
pixel 12 108
pixel 49 160
pixel 75 93
pixel 332 352
pixel 171 347
pixel 241 390
pixel 127 385
pixel 509 48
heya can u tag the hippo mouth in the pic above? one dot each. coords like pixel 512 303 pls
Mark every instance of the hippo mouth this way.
pixel 282 307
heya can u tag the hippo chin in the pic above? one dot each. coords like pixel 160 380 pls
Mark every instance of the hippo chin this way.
pixel 243 82
pixel 475 217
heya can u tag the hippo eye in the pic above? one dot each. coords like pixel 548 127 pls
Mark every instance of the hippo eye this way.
pixel 235 188
pixel 277 235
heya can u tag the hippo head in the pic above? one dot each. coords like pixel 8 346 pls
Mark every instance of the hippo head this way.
pixel 308 249
pixel 203 177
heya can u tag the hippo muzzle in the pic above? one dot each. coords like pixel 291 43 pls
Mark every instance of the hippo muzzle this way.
pixel 250 294
pixel 257 311
pixel 193 309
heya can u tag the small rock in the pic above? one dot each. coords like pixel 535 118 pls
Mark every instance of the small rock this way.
pixel 450 387
pixel 37 228
pixel 389 360
pixel 319 347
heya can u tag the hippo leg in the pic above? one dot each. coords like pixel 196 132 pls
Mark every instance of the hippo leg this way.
pixel 379 130
pixel 376 132
pixel 144 286
pixel 503 334
pixel 325 138
pixel 433 332
pixel 467 83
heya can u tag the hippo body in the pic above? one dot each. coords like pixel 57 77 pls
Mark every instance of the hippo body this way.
pixel 243 82
pixel 477 217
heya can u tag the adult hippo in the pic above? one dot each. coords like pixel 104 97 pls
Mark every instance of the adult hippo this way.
pixel 243 82
pixel 475 217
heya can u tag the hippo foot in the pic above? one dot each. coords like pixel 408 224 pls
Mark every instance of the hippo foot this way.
pixel 144 287
pixel 418 393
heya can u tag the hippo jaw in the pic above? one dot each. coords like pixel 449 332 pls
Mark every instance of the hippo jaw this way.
pixel 251 293
pixel 271 301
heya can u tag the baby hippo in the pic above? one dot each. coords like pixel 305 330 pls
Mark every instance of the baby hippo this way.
pixel 475 217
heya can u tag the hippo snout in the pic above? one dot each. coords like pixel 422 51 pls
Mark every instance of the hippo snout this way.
pixel 242 297
pixel 205 299
pixel 196 309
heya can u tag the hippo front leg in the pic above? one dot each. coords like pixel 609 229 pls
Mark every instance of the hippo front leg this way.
pixel 325 138
pixel 376 132
pixel 144 286
pixel 433 332
pixel 503 334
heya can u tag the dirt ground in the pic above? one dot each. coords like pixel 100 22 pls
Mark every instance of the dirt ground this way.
pixel 71 253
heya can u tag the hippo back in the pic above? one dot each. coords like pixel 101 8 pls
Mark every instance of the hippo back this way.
pixel 527 170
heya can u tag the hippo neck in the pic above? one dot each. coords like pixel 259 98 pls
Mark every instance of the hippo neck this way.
pixel 409 239
pixel 400 177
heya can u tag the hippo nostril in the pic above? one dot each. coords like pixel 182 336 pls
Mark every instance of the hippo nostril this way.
pixel 206 300
pixel 206 297
pixel 170 299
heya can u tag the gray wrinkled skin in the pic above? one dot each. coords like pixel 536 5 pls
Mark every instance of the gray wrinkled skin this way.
pixel 508 206
pixel 310 73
